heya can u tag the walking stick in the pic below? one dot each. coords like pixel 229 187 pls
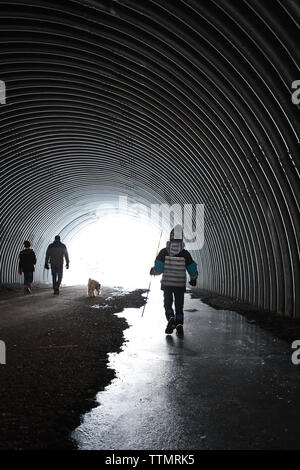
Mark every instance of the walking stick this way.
pixel 151 277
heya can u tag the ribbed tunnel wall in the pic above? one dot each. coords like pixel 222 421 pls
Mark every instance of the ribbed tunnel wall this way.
pixel 177 101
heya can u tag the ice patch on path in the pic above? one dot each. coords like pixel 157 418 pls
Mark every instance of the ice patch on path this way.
pixel 100 306
pixel 119 292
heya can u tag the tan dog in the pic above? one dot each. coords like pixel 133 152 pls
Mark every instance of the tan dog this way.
pixel 92 287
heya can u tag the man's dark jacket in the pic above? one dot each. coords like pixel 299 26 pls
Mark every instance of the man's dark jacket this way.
pixel 56 253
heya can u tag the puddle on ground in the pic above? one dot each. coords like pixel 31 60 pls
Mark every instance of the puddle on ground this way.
pixel 170 392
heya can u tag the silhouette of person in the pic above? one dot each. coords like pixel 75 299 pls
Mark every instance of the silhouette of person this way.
pixel 55 255
pixel 27 262
pixel 173 262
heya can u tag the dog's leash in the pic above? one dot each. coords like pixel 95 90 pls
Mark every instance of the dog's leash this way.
pixel 151 276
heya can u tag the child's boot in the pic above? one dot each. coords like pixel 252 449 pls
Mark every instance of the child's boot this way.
pixel 179 330
pixel 171 321
pixel 170 326
pixel 179 323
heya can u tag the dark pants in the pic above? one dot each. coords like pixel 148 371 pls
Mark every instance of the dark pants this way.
pixel 57 274
pixel 178 293
pixel 28 277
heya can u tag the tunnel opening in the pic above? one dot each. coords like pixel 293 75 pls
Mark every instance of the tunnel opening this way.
pixel 117 250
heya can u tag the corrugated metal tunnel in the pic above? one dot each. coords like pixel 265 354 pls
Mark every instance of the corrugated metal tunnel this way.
pixel 174 101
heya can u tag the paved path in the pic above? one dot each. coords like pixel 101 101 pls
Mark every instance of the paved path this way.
pixel 17 308
pixel 227 385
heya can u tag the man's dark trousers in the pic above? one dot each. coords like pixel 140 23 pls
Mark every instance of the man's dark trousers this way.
pixel 57 274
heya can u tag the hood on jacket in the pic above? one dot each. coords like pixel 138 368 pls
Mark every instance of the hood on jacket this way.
pixel 176 243
pixel 176 233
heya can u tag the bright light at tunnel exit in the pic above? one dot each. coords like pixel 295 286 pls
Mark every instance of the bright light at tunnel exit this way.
pixel 116 251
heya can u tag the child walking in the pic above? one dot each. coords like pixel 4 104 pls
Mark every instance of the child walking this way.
pixel 27 261
pixel 173 262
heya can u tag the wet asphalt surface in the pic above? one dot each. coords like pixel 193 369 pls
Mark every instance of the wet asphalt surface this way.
pixel 56 360
pixel 226 385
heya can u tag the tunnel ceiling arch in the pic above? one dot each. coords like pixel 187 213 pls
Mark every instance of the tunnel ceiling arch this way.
pixel 164 101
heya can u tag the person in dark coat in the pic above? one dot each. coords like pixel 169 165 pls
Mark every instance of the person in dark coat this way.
pixel 56 253
pixel 173 262
pixel 27 262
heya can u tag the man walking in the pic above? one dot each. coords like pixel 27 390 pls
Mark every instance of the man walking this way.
pixel 56 253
